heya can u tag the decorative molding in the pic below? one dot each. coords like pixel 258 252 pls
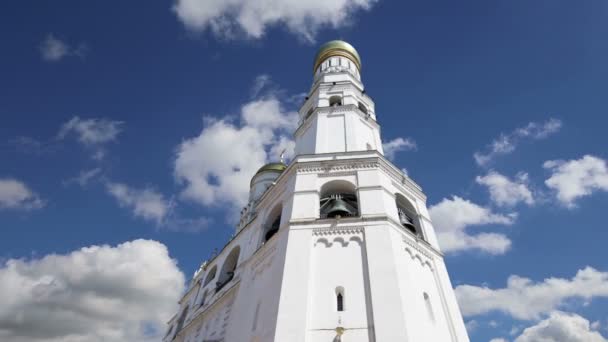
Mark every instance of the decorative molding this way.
pixel 418 253
pixel 337 231
pixel 338 174
pixel 339 166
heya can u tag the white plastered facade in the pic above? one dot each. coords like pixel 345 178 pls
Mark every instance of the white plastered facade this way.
pixel 393 283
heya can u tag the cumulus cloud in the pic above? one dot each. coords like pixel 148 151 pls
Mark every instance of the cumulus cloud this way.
pixel 525 299
pixel 498 340
pixel 15 194
pixel 145 203
pixel 233 18
pixel 452 217
pixel 216 166
pixel 507 142
pixel 397 145
pixel 97 293
pixel 560 327
pixel 93 133
pixel 507 192
pixel 576 178
pixel 54 49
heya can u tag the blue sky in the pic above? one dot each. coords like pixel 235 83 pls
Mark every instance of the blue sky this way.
pixel 108 111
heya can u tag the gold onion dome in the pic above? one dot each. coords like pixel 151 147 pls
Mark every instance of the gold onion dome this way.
pixel 278 167
pixel 272 167
pixel 337 48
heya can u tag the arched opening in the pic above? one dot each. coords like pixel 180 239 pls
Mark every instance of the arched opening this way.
pixel 228 268
pixel 362 108
pixel 182 318
pixel 210 276
pixel 338 199
pixel 309 113
pixel 335 100
pixel 429 307
pixel 273 223
pixel 339 298
pixel 407 215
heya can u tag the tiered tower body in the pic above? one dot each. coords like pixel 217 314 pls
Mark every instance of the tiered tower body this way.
pixel 337 246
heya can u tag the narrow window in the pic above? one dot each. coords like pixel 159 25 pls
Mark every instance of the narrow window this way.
pixel 255 317
pixel 429 307
pixel 340 298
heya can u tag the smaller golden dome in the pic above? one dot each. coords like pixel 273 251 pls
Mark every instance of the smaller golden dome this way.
pixel 277 167
pixel 336 48
pixel 270 167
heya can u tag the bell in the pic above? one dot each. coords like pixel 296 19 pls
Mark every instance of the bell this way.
pixel 407 222
pixel 338 207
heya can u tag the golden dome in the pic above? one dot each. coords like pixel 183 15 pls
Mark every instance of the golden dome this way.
pixel 277 167
pixel 337 48
pixel 272 167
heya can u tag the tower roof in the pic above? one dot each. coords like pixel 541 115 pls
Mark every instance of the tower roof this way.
pixel 337 48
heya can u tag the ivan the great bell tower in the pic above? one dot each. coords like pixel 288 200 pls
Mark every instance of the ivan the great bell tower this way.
pixel 337 246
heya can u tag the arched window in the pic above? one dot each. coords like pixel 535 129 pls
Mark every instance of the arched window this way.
pixel 228 268
pixel 182 318
pixel 335 101
pixel 255 317
pixel 210 276
pixel 309 113
pixel 429 307
pixel 407 215
pixel 339 298
pixel 273 223
pixel 338 199
pixel 362 108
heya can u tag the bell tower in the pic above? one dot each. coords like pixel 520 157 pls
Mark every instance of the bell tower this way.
pixel 337 116
pixel 337 246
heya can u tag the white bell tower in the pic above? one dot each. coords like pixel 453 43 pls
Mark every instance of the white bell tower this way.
pixel 337 246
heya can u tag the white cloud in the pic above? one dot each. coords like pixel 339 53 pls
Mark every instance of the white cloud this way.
pixel 507 143
pixel 145 203
pixel 217 165
pixel 15 194
pixel 525 299
pixel 561 327
pixel 576 178
pixel 506 192
pixel 498 340
pixel 92 133
pixel 232 18
pixel 396 145
pixel 471 325
pixel 97 293
pixel 452 217
pixel 53 49
pixel 84 177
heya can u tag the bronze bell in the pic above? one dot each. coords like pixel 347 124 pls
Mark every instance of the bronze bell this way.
pixel 338 207
pixel 407 222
